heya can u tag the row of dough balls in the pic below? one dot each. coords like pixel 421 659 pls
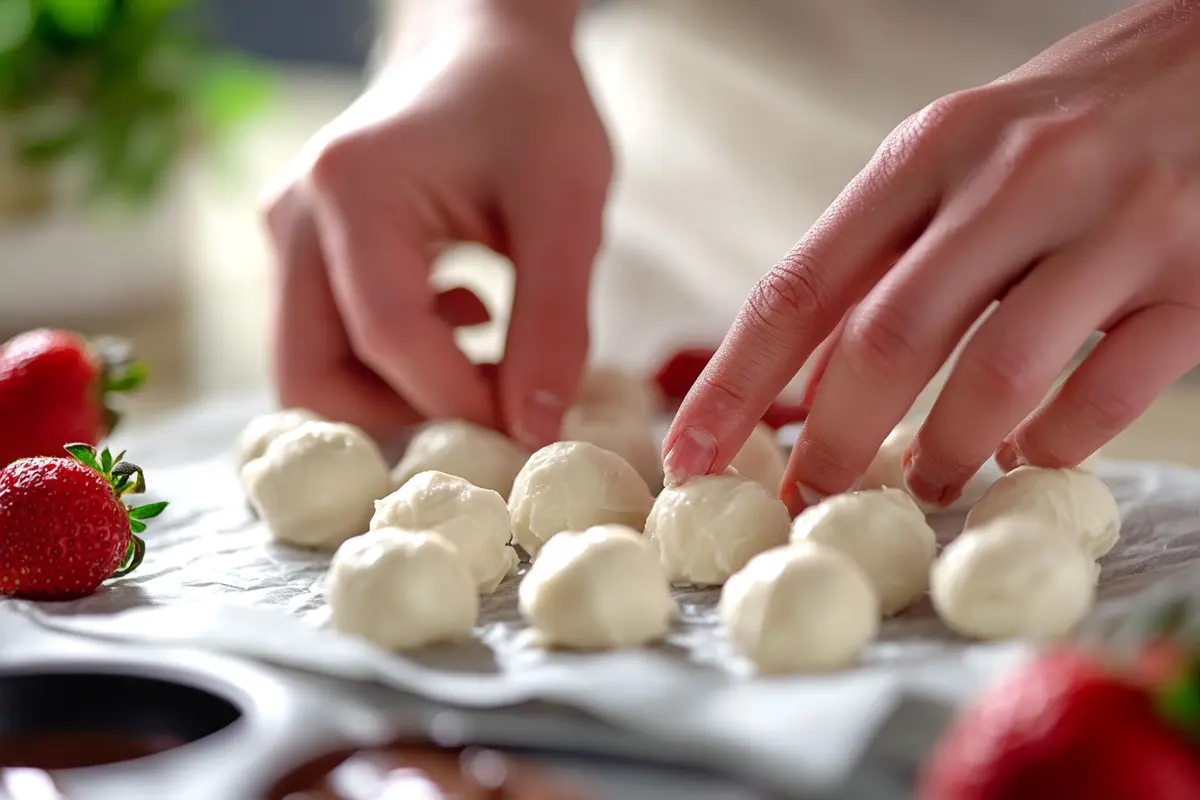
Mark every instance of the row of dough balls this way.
pixel 812 604
pixel 1024 566
pixel 605 552
pixel 613 410
pixel 577 507
pixel 315 483
pixel 595 583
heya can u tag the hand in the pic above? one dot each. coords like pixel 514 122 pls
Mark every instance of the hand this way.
pixel 486 134
pixel 1069 191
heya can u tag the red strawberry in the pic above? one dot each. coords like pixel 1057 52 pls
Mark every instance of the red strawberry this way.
pixel 780 414
pixel 55 388
pixel 677 374
pixel 64 528
pixel 1064 726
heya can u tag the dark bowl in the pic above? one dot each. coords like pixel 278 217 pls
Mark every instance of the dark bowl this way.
pixel 83 718
pixel 138 722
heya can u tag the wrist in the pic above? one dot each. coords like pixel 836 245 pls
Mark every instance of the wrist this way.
pixel 409 24
pixel 550 17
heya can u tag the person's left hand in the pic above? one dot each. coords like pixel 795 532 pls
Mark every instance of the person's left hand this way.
pixel 1069 191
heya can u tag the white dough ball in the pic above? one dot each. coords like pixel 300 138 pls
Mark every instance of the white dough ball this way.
pixel 761 458
pixel 1074 502
pixel 401 589
pixel 803 607
pixel 632 438
pixel 572 486
pixel 887 470
pixel 473 519
pixel 610 393
pixel 486 458
pixel 252 442
pixel 883 532
pixel 316 485
pixel 1013 578
pixel 708 528
pixel 602 589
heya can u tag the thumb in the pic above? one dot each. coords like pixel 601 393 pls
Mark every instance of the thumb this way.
pixel 554 239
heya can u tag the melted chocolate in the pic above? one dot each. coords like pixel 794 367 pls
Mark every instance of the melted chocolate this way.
pixel 421 771
pixel 75 749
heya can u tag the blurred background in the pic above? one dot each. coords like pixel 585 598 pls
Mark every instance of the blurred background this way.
pixel 133 149
pixel 167 250
pixel 135 137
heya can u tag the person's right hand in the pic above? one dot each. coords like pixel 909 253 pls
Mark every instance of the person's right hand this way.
pixel 486 134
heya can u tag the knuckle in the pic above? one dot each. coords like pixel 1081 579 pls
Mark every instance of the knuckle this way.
pixel 337 163
pixel 276 205
pixel 1067 146
pixel 1100 412
pixel 822 466
pixel 946 111
pixel 882 341
pixel 788 296
pixel 948 464
pixel 727 391
pixel 948 454
pixel 939 128
pixel 1000 375
pixel 944 116
pixel 1177 210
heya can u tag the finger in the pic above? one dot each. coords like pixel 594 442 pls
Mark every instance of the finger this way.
pixel 461 308
pixel 798 303
pixel 1113 386
pixel 554 241
pixel 379 276
pixel 1013 359
pixel 1024 203
pixel 314 365
pixel 820 359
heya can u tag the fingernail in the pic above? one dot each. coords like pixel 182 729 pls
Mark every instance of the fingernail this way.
pixel 1008 457
pixel 692 455
pixel 541 419
pixel 803 497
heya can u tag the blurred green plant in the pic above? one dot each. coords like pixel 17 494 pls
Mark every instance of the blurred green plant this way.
pixel 120 87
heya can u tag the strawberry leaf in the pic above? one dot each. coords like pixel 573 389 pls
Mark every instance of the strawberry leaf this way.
pixel 1179 702
pixel 148 511
pixel 130 472
pixel 137 526
pixel 85 454
pixel 106 461
pixel 134 553
pixel 130 377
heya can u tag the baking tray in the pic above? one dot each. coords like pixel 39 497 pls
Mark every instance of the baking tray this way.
pixel 146 723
